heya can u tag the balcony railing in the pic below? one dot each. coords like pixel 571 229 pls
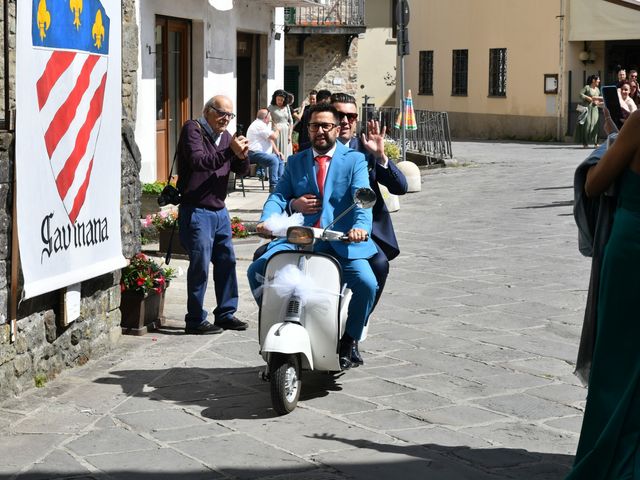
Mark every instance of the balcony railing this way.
pixel 330 13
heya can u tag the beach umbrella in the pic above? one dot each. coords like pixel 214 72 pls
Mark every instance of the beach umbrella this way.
pixel 410 114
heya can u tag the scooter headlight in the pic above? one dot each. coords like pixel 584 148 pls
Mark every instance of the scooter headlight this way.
pixel 300 235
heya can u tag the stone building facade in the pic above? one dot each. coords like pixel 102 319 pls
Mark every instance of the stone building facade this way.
pixel 43 346
pixel 326 64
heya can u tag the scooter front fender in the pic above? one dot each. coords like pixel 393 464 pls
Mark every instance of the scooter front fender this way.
pixel 288 338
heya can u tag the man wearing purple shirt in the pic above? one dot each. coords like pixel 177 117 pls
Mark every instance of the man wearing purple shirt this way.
pixel 207 153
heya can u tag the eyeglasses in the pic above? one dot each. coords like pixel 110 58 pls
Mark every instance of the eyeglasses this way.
pixel 351 117
pixel 314 127
pixel 222 113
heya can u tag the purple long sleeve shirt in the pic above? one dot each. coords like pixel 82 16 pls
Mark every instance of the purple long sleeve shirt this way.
pixel 204 167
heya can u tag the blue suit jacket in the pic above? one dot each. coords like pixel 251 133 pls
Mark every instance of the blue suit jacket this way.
pixel 392 178
pixel 347 172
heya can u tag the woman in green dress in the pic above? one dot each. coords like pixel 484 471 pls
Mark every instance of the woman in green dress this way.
pixel 588 115
pixel 609 446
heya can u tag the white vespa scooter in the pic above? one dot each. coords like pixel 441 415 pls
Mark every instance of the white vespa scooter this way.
pixel 304 310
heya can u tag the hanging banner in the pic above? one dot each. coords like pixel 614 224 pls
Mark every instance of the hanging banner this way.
pixel 68 109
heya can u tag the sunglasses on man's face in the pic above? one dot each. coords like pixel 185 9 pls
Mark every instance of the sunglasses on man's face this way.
pixel 351 117
pixel 222 113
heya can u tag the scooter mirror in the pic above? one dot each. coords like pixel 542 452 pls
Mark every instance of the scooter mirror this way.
pixel 364 198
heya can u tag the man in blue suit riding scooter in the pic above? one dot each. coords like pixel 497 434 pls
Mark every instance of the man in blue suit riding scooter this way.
pixel 330 173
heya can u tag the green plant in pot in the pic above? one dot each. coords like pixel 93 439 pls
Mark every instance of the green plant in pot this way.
pixel 142 287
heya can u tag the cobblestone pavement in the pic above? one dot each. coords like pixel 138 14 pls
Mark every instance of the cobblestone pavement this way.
pixel 468 365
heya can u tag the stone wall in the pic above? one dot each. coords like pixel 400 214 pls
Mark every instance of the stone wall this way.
pixel 43 346
pixel 325 63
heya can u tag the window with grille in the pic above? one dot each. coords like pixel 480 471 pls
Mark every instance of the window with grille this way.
pixel 425 85
pixel 498 72
pixel 460 72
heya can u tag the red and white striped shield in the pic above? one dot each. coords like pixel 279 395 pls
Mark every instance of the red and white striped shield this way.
pixel 70 94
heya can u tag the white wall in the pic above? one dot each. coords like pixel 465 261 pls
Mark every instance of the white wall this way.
pixel 215 24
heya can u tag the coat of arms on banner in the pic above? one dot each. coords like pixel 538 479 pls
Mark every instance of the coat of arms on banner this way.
pixel 70 90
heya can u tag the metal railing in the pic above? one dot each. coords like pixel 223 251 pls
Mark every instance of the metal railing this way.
pixel 330 14
pixel 432 137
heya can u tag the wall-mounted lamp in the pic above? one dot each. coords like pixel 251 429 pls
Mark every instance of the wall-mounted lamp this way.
pixel 148 47
pixel 587 55
pixel 276 29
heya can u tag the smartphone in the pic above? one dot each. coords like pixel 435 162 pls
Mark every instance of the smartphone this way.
pixel 612 102
pixel 239 130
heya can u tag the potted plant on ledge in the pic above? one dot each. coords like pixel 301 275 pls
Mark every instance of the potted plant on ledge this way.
pixel 142 288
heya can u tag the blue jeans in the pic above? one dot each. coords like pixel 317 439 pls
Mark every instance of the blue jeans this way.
pixel 357 274
pixel 270 160
pixel 206 235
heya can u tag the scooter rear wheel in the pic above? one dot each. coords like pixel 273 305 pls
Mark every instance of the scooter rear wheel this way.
pixel 284 375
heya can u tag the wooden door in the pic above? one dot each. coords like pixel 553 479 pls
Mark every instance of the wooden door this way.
pixel 173 92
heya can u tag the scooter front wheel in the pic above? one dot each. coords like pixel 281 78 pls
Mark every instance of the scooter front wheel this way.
pixel 284 375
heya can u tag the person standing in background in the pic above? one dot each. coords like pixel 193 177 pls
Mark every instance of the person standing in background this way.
pixel 587 127
pixel 281 118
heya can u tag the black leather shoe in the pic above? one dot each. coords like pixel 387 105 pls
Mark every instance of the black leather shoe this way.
pixel 231 323
pixel 205 328
pixel 345 352
pixel 356 358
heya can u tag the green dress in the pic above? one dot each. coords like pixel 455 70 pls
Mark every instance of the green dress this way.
pixel 587 132
pixel 609 446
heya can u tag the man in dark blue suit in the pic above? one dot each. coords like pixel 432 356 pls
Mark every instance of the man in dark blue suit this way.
pixel 381 171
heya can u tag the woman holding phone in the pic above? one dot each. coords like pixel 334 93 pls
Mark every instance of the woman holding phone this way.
pixel 587 128
pixel 609 446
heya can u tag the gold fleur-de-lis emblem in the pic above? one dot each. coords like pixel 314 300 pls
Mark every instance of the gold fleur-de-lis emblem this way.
pixel 76 8
pixel 97 32
pixel 44 18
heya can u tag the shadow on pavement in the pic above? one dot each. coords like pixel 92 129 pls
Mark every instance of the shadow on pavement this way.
pixel 223 393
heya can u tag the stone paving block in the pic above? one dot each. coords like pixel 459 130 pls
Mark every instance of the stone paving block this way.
pixel 538 346
pixel 433 437
pixel 160 464
pixel 7 418
pixel 55 418
pixel 398 371
pixel 494 458
pixel 436 362
pixel 242 456
pixel 526 406
pixel 412 401
pixel 531 309
pixel 514 381
pixel 209 429
pixel 159 419
pixel 527 436
pixel 386 420
pixel 111 440
pixel 338 403
pixel 485 353
pixel 408 462
pixel 373 388
pixel 196 393
pixel 545 470
pixel 452 387
pixel 571 424
pixel 542 366
pixel 561 393
pixel 460 415
pixel 501 321
pixel 55 465
pixel 141 403
pixel 21 450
